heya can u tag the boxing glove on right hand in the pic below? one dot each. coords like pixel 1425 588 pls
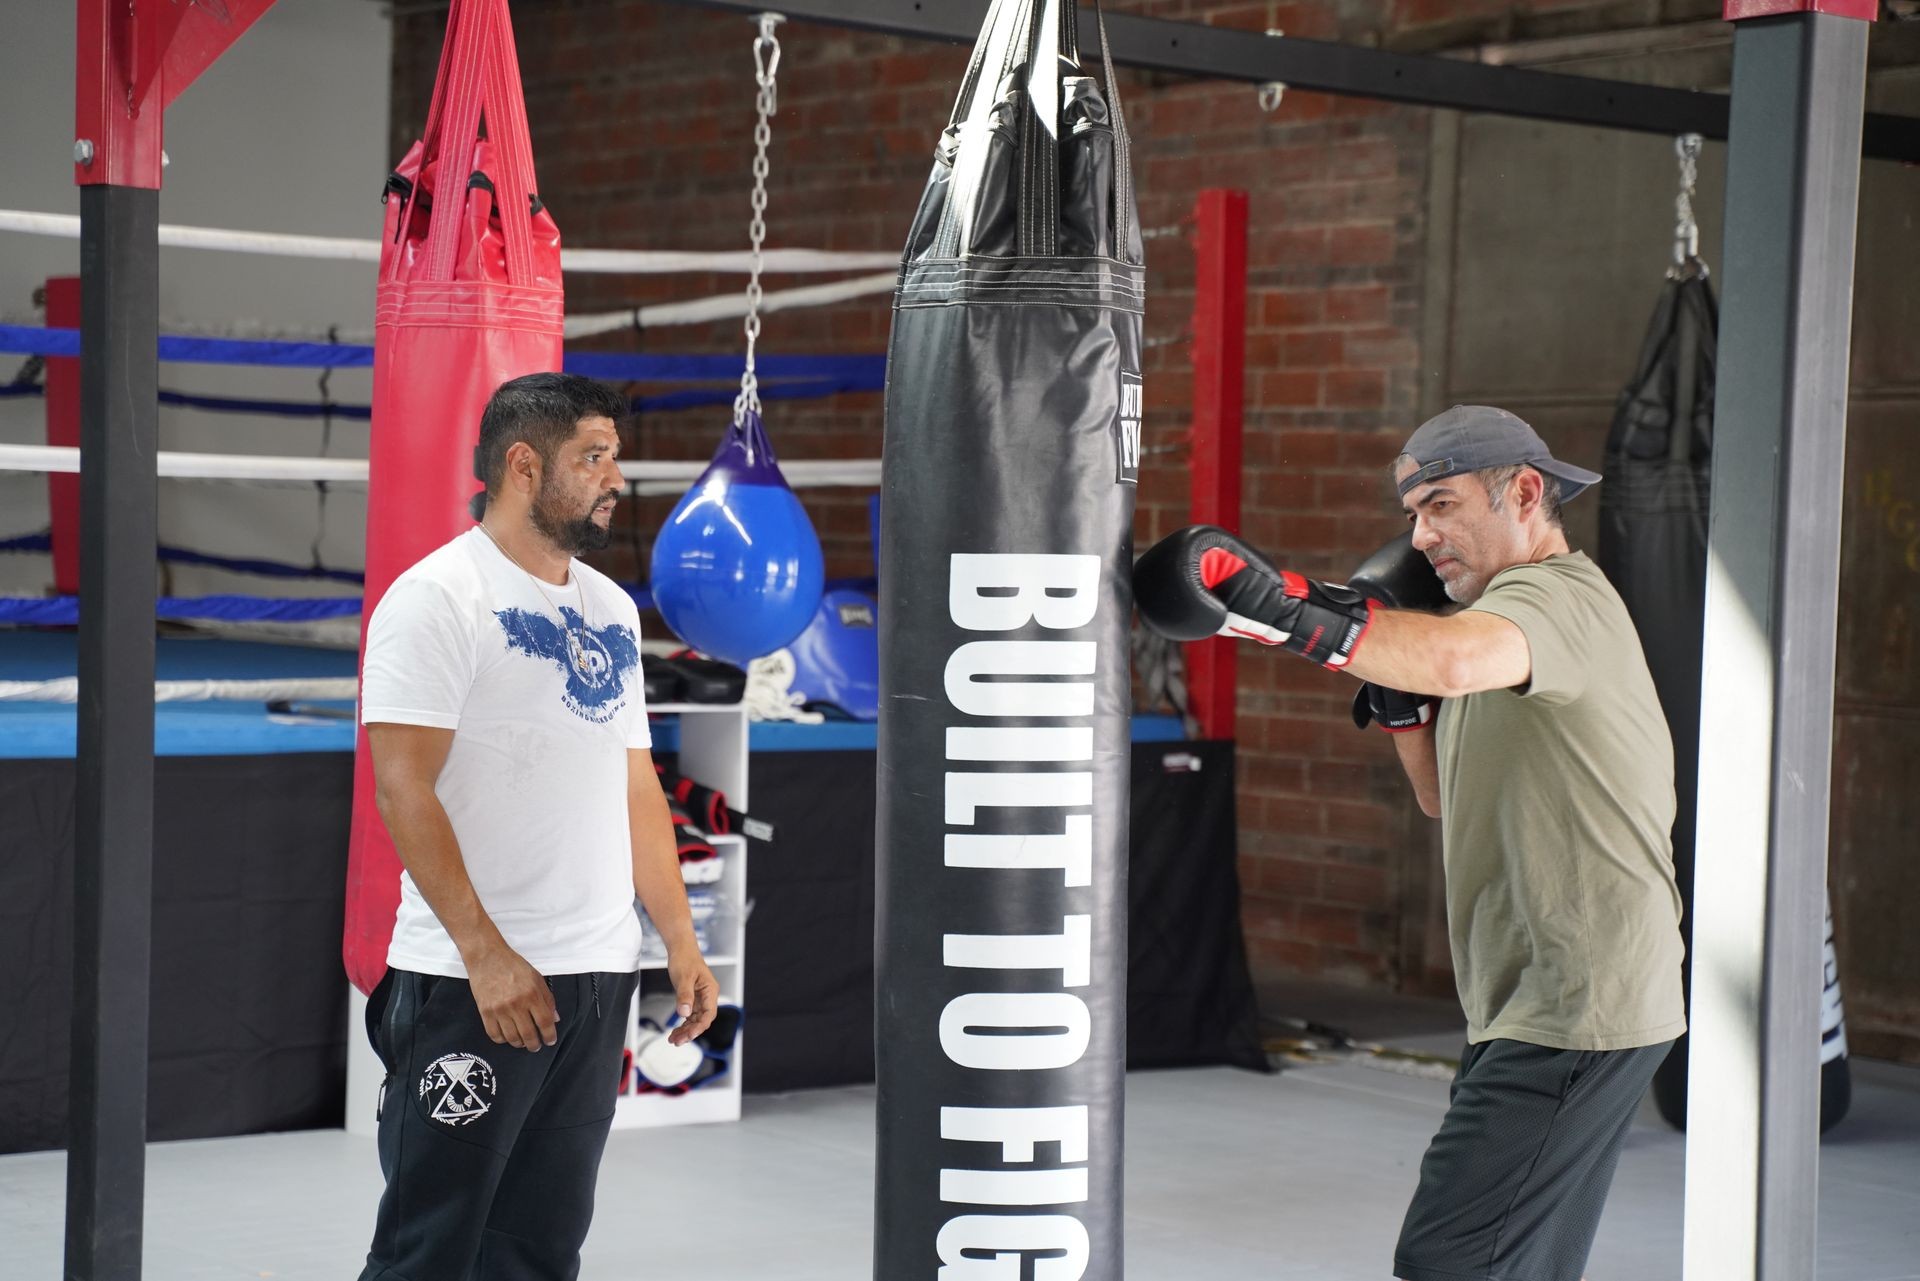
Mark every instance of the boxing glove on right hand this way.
pixel 1202 581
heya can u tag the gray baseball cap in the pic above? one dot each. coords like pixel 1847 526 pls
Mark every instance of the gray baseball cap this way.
pixel 1471 437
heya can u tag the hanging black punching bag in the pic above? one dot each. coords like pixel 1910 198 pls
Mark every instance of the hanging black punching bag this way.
pixel 1653 547
pixel 1012 440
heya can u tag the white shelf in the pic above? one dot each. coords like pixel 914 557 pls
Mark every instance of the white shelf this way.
pixel 717 1102
pixel 713 752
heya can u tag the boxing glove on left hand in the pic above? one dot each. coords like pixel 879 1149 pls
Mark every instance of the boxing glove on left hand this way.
pixel 1202 581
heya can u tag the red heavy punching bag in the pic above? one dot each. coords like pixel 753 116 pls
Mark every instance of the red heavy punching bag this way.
pixel 469 297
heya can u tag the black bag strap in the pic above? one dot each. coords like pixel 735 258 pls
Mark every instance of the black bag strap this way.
pixel 1123 193
pixel 1686 369
pixel 975 64
pixel 1040 132
pixel 1653 346
pixel 1697 325
pixel 1036 36
pixel 1009 26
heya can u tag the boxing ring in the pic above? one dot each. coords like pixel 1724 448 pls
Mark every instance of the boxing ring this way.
pixel 253 740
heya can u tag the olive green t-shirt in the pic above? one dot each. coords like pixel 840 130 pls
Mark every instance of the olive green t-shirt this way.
pixel 1557 812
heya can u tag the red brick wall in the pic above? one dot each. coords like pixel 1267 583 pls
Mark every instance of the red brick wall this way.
pixel 642 115
pixel 1335 251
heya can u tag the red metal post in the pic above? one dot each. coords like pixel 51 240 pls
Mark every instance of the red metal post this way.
pixel 1219 402
pixel 122 85
pixel 1742 10
pixel 135 58
pixel 63 428
pixel 116 135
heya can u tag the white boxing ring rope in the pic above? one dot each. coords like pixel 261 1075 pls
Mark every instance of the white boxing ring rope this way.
pixel 344 249
pixel 606 261
pixel 661 315
pixel 649 478
pixel 730 306
pixel 646 478
pixel 66 689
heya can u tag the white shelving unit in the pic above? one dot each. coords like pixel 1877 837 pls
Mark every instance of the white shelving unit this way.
pixel 713 753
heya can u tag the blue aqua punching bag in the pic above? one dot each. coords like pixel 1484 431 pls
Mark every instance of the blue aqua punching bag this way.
pixel 737 571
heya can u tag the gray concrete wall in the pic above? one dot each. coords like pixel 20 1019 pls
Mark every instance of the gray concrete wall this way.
pixel 287 132
pixel 1558 242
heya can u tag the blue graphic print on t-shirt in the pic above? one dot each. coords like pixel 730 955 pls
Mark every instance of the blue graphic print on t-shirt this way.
pixel 595 660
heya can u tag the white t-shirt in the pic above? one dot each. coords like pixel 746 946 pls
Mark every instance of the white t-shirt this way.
pixel 543 714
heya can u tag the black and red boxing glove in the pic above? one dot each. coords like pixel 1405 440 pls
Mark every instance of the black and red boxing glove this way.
pixel 1398 577
pixel 1202 581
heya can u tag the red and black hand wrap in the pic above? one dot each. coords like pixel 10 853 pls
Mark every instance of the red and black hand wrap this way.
pixel 1399 577
pixel 1393 710
pixel 1202 581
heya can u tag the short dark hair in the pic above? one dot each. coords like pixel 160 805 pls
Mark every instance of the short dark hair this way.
pixel 1496 480
pixel 543 410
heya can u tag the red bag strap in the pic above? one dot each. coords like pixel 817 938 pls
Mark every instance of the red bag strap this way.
pixel 454 52
pixel 451 147
pixel 513 147
pixel 480 75
pixel 430 136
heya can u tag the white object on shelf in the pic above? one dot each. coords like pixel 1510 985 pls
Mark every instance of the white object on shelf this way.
pixel 713 753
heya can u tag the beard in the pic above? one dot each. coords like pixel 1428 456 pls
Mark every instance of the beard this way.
pixel 1462 585
pixel 556 519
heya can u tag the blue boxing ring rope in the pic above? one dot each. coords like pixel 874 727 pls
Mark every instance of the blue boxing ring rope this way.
pixel 794 377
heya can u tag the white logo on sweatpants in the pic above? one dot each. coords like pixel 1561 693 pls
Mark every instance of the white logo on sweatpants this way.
pixel 460 1087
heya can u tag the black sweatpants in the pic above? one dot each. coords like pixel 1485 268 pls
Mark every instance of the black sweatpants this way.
pixel 1512 1186
pixel 490 1152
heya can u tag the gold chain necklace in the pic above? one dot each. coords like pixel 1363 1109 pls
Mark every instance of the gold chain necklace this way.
pixel 579 653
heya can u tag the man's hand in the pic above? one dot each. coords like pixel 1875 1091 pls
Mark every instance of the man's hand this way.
pixel 515 1002
pixel 696 992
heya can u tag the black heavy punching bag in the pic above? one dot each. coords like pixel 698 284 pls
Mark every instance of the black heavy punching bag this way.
pixel 1653 546
pixel 1012 441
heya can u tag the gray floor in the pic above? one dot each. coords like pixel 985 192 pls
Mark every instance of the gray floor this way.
pixel 1302 1175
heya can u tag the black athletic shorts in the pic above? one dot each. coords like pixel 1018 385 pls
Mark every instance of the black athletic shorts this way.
pixel 1512 1186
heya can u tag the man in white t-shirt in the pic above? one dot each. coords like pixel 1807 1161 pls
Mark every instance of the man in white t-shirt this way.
pixel 503 701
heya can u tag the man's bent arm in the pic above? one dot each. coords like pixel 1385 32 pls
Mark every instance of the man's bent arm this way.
pixel 1422 764
pixel 514 1002
pixel 661 890
pixel 1449 656
pixel 407 760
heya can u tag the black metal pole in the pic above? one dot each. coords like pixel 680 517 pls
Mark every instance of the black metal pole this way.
pixel 1230 53
pixel 113 828
pixel 1793 180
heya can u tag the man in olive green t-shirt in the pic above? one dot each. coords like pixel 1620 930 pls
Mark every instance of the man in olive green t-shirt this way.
pixel 1556 813
pixel 1555 798
pixel 1534 734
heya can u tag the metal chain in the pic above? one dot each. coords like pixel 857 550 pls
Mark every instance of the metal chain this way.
pixel 766 69
pixel 1686 231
